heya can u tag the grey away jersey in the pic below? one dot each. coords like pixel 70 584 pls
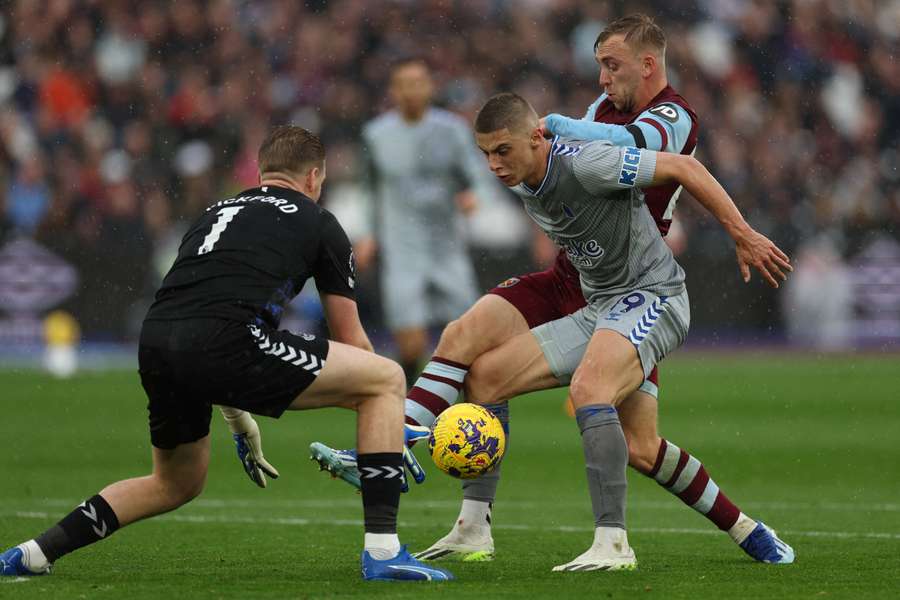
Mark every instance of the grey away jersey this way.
pixel 590 205
pixel 413 172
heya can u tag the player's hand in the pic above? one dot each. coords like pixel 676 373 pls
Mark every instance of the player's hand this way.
pixel 248 443
pixel 542 125
pixel 757 251
pixel 467 202
pixel 364 252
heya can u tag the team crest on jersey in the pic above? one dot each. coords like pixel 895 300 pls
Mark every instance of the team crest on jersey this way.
pixel 631 160
pixel 509 282
pixel 583 254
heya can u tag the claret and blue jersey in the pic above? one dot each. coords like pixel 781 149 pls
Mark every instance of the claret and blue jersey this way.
pixel 667 123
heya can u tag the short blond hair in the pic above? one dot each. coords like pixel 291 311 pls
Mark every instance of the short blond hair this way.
pixel 641 32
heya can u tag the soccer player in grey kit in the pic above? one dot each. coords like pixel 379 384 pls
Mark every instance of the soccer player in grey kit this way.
pixel 583 196
pixel 419 189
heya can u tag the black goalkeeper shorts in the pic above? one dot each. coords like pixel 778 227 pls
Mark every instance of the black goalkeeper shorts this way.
pixel 187 366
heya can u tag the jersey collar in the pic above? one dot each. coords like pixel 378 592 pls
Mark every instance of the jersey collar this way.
pixel 540 189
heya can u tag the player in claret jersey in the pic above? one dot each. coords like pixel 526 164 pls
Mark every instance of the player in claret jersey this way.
pixel 212 337
pixel 637 108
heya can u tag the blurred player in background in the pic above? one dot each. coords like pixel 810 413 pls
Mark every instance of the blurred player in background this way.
pixel 211 337
pixel 638 108
pixel 421 168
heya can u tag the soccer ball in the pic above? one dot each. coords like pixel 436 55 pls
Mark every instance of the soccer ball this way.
pixel 466 441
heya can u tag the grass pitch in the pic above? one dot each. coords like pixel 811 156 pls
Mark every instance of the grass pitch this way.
pixel 807 444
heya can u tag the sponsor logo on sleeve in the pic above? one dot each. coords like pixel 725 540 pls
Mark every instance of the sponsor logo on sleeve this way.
pixel 666 111
pixel 630 162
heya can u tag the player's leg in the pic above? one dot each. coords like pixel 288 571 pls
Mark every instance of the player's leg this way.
pixel 515 367
pixel 508 310
pixel 632 333
pixel 178 476
pixel 682 475
pixel 372 386
pixel 488 324
pixel 520 365
pixel 404 299
pixel 412 343
pixel 609 371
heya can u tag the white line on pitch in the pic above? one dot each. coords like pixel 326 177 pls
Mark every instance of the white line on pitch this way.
pixel 562 528
pixel 353 501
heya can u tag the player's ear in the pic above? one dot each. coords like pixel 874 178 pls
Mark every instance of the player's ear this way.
pixel 648 64
pixel 311 178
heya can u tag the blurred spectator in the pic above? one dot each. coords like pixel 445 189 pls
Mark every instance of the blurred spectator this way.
pixel 800 103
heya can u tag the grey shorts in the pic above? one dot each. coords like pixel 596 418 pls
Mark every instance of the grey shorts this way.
pixel 655 325
pixel 418 291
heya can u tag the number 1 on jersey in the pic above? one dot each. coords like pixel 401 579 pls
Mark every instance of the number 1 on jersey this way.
pixel 225 217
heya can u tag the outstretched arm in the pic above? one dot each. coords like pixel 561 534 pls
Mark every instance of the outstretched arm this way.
pixel 753 248
pixel 662 127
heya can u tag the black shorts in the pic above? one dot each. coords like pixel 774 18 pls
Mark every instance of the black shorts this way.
pixel 187 366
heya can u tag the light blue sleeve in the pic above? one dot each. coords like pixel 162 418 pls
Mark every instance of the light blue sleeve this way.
pixel 589 130
pixel 674 121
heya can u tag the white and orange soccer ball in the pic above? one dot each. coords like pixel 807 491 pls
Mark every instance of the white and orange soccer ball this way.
pixel 466 440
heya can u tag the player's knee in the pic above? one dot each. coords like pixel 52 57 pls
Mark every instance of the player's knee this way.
pixel 483 384
pixel 178 491
pixel 582 393
pixel 456 335
pixel 395 381
pixel 387 387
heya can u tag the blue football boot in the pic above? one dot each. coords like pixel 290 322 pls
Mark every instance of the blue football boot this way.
pixel 13 565
pixel 342 463
pixel 765 546
pixel 402 567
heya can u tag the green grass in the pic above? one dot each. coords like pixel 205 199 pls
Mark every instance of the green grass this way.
pixel 807 444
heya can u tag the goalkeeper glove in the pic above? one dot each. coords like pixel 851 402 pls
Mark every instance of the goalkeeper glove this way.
pixel 248 444
pixel 412 434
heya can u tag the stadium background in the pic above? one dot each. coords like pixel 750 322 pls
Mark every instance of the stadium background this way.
pixel 119 121
pixel 119 125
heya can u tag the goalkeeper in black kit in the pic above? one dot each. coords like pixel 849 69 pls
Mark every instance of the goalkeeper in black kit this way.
pixel 212 337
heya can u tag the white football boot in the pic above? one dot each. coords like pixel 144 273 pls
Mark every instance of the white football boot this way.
pixel 468 544
pixel 609 552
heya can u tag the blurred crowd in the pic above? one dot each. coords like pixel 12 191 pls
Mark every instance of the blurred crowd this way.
pixel 119 121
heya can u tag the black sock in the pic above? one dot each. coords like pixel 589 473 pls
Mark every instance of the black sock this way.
pixel 91 522
pixel 381 475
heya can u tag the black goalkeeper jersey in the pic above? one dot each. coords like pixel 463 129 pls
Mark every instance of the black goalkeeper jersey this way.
pixel 247 257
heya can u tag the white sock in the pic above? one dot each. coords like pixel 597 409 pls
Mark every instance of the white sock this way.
pixel 474 514
pixel 742 528
pixel 382 546
pixel 33 557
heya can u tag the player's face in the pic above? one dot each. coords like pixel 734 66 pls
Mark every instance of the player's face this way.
pixel 411 88
pixel 620 72
pixel 510 156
